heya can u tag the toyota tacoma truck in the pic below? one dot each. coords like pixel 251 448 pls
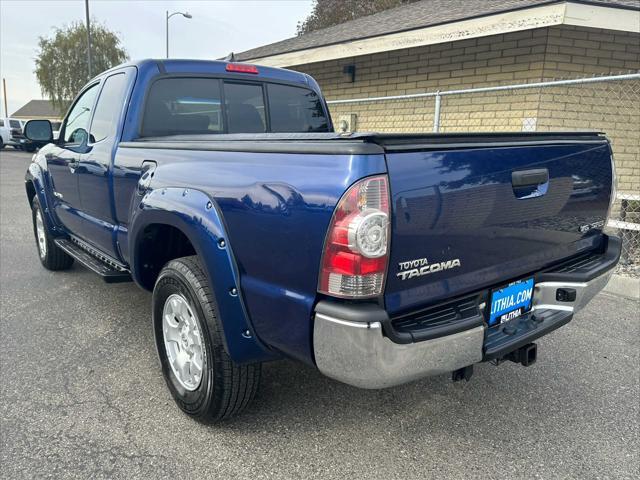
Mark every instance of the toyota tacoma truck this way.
pixel 377 258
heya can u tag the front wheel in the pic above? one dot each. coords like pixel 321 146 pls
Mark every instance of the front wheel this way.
pixel 51 256
pixel 204 381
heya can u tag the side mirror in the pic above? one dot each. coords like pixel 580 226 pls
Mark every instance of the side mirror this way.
pixel 39 131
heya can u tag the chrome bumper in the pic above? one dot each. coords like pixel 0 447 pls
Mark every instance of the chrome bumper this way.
pixel 358 353
pixel 544 293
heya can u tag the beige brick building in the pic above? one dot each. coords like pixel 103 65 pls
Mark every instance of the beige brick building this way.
pixel 444 45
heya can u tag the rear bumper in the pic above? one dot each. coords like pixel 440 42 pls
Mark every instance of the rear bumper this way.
pixel 358 354
pixel 545 293
pixel 587 278
pixel 350 345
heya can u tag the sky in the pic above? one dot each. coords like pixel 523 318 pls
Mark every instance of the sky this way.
pixel 216 29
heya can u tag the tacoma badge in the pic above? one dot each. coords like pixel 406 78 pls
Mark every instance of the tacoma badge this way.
pixel 421 266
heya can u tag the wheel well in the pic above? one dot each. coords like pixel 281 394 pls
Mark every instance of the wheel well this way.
pixel 31 191
pixel 159 244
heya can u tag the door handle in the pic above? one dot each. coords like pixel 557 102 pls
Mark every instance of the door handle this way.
pixel 148 167
pixel 529 178
pixel 530 183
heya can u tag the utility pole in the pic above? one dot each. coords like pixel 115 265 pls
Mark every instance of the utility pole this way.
pixel 86 10
pixel 4 94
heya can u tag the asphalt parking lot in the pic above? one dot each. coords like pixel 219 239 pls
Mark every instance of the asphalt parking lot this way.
pixel 82 395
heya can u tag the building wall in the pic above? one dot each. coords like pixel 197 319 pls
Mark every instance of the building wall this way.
pixel 511 58
pixel 514 58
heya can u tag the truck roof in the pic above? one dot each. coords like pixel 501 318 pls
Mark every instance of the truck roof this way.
pixel 213 67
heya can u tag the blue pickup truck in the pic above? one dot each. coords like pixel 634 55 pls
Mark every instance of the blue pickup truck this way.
pixel 377 258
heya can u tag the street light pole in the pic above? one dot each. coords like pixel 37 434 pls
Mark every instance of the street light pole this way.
pixel 86 11
pixel 168 16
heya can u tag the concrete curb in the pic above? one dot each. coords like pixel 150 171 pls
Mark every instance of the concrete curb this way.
pixel 624 286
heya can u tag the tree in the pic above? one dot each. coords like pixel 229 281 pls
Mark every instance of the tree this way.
pixel 327 13
pixel 61 62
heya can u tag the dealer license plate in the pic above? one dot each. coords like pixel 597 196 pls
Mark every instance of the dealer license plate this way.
pixel 511 301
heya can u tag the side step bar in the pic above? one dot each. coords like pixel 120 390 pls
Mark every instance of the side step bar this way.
pixel 109 273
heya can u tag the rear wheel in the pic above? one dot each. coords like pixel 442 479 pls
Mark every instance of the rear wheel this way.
pixel 51 256
pixel 201 376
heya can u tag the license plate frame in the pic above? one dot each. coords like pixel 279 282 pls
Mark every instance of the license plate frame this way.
pixel 510 301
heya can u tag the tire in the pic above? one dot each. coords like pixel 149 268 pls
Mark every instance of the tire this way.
pixel 224 388
pixel 51 256
pixel 30 148
pixel 1 143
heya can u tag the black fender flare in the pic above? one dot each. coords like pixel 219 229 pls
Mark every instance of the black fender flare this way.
pixel 196 215
pixel 35 178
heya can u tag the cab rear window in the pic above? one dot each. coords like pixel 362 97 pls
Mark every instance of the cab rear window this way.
pixel 178 106
pixel 294 109
pixel 244 106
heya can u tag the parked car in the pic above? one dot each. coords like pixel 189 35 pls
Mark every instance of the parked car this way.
pixel 17 137
pixel 377 258
pixel 5 134
pixel 14 130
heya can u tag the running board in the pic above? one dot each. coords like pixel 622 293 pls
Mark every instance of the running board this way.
pixel 109 273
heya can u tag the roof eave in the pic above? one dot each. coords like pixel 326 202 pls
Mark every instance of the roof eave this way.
pixel 576 13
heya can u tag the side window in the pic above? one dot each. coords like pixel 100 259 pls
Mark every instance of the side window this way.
pixel 77 122
pixel 14 124
pixel 245 108
pixel 108 107
pixel 1 123
pixel 294 109
pixel 183 105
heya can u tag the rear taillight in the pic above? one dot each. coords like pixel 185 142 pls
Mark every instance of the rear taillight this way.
pixel 354 262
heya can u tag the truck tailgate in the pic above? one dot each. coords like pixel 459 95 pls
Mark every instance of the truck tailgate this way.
pixel 469 215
